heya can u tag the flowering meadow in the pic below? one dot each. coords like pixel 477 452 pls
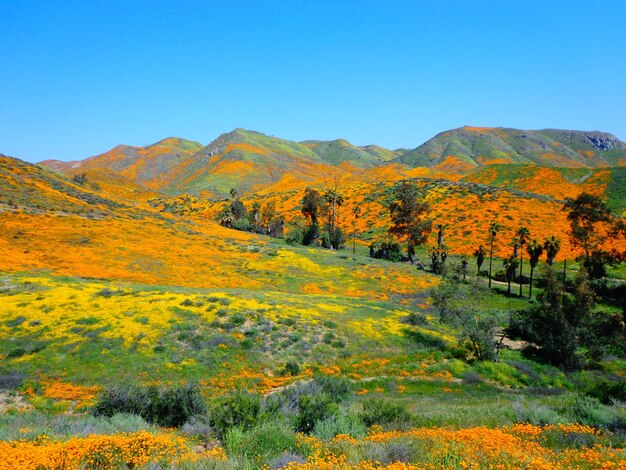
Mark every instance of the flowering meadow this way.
pixel 136 332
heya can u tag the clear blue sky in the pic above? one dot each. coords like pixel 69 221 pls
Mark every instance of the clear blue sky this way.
pixel 79 77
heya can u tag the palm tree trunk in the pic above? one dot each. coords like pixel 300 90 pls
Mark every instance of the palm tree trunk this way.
pixel 530 291
pixel 490 259
pixel 509 291
pixel 521 264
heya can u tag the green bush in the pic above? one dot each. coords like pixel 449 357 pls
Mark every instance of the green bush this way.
pixel 242 224
pixel 536 414
pixel 267 441
pixel 312 409
pixel 383 411
pixel 328 428
pixel 415 319
pixel 337 389
pixel 170 407
pixel 607 390
pixel 291 368
pixel 589 411
pixel 238 409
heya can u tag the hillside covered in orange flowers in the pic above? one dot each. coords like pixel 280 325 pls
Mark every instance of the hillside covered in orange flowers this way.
pixel 141 328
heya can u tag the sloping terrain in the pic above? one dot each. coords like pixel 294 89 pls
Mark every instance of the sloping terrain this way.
pixel 35 189
pixel 253 162
pixel 99 290
pixel 460 150
pixel 148 166
pixel 245 160
pixel 341 151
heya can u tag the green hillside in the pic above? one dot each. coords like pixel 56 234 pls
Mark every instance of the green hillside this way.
pixel 34 189
pixel 244 159
pixel 340 150
pixel 149 166
pixel 555 148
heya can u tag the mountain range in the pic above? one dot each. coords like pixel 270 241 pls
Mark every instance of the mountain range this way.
pixel 251 161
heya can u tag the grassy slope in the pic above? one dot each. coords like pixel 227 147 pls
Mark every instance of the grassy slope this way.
pixel 474 146
pixel 340 151
pixel 137 296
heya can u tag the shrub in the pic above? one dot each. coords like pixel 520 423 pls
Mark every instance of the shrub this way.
pixel 17 321
pixel 283 461
pixel 589 411
pixel 607 390
pixel 311 409
pixel 471 378
pixel 107 292
pixel 328 428
pixel 238 409
pixel 11 381
pixel 338 389
pixel 197 427
pixel 415 319
pixel 268 440
pixel 242 224
pixel 538 415
pixel 170 407
pixel 426 339
pixel 291 368
pixel 237 319
pixel 389 250
pixel 402 451
pixel 383 411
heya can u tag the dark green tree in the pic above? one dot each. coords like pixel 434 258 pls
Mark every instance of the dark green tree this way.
pixel 80 178
pixel 566 330
pixel 463 266
pixel 522 235
pixel 494 228
pixel 311 203
pixel 333 237
pixel 510 267
pixel 255 216
pixel 552 245
pixel 480 255
pixel 237 208
pixel 535 250
pixel 438 257
pixel 408 212
pixel 590 225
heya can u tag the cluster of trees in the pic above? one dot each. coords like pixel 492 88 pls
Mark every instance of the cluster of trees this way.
pixel 521 243
pixel 322 214
pixel 591 224
pixel 259 218
pixel 563 327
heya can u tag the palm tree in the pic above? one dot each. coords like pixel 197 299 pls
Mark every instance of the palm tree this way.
pixel 463 266
pixel 552 246
pixel 510 265
pixel 440 233
pixel 534 250
pixel 356 212
pixel 494 228
pixel 480 254
pixel 522 235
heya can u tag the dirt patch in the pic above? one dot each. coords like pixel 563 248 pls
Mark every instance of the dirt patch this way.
pixel 12 401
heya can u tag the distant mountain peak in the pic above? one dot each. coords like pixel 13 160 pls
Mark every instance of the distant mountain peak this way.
pixel 468 147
